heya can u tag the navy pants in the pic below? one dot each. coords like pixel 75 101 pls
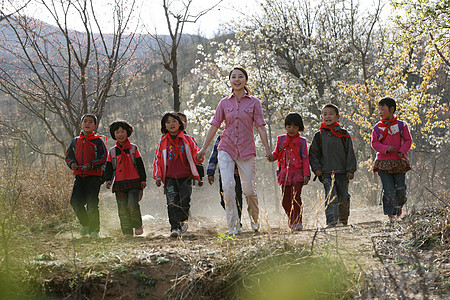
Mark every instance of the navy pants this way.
pixel 84 201
pixel 129 210
pixel 337 203
pixel 178 195
pixel 394 192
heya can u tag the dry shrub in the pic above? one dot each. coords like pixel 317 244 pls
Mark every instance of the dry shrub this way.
pixel 415 258
pixel 429 227
pixel 270 271
pixel 43 193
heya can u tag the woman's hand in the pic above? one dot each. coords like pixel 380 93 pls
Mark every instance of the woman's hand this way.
pixel 200 154
pixel 158 182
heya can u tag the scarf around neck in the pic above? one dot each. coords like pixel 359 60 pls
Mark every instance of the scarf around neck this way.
pixel 175 143
pixel 124 146
pixel 387 124
pixel 334 132
pixel 90 137
pixel 288 143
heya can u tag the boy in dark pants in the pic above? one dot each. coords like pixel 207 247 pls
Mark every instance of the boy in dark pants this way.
pixel 333 160
pixel 86 155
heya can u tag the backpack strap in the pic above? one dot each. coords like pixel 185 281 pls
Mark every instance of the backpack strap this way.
pixel 281 142
pixel 112 151
pixel 302 147
pixel 401 125
pixel 133 154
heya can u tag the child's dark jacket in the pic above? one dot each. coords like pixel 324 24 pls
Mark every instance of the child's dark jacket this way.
pixel 82 151
pixel 332 154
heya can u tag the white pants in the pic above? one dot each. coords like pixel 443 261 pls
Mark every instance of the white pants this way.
pixel 247 173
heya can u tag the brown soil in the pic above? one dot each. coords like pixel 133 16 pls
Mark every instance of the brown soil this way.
pixel 152 265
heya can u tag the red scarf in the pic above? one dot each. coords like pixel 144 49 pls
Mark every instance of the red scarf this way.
pixel 334 132
pixel 176 146
pixel 388 130
pixel 91 136
pixel 125 160
pixel 288 143
pixel 124 146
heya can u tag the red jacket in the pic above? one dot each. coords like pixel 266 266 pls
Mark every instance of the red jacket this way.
pixel 160 162
pixel 81 151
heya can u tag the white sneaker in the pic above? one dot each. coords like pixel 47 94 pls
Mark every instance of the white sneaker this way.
pixel 255 226
pixel 184 226
pixel 175 233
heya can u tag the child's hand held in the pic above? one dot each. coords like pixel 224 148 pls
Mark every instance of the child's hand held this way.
pixel 306 180
pixel 158 182
pixel 200 154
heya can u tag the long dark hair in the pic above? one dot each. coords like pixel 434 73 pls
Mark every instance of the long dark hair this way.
pixel 246 77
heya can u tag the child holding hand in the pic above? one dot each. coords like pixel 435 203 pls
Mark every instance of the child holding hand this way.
pixel 175 166
pixel 293 168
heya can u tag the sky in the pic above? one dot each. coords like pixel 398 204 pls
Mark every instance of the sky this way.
pixel 150 15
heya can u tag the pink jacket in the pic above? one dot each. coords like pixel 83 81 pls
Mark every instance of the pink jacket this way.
pixel 240 117
pixel 401 144
pixel 160 162
pixel 298 169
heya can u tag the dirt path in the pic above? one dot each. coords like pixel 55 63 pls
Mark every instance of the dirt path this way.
pixel 151 264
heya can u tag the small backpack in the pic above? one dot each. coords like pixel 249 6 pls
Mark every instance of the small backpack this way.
pixel 114 158
pixel 133 148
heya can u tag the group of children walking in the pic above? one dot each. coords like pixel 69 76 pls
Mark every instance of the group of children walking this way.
pixel 178 162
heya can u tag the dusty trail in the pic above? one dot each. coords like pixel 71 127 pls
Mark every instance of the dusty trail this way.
pixel 116 264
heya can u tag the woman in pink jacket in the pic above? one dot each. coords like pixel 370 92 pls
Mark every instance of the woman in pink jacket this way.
pixel 241 112
pixel 391 140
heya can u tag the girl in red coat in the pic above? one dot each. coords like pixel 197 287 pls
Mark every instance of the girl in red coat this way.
pixel 126 168
pixel 293 172
pixel 174 165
